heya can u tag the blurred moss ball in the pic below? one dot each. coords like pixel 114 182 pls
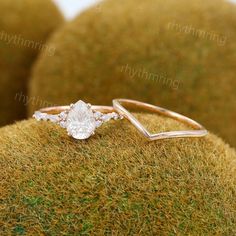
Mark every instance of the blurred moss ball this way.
pixel 25 25
pixel 116 182
pixel 177 54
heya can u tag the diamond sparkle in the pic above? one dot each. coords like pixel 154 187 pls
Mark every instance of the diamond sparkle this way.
pixel 80 122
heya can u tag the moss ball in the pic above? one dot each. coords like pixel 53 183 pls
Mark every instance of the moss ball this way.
pixel 24 27
pixel 116 182
pixel 177 54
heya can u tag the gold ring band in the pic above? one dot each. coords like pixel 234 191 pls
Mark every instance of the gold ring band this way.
pixel 199 131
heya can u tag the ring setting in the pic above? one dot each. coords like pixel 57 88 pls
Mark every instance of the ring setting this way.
pixel 79 119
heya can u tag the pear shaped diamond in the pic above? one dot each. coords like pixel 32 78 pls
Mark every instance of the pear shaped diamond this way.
pixel 80 122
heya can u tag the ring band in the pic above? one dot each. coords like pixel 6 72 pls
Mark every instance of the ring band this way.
pixel 119 108
pixel 59 109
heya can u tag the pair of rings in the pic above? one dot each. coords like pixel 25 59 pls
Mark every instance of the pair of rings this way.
pixel 82 119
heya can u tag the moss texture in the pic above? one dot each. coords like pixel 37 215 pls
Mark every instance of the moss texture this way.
pixel 115 183
pixel 24 27
pixel 178 54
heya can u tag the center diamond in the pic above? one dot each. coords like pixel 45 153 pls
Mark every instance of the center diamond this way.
pixel 80 121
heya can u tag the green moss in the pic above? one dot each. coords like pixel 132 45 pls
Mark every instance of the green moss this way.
pixel 143 50
pixel 25 25
pixel 19 230
pixel 116 182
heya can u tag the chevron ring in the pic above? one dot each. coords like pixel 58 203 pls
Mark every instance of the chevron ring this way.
pixel 198 130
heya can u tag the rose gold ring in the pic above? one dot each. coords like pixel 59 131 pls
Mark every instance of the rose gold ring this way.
pixel 79 119
pixel 198 130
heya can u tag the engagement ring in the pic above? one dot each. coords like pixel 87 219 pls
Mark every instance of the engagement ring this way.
pixel 79 119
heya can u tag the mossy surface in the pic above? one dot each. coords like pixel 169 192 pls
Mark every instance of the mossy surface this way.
pixel 115 183
pixel 24 27
pixel 177 54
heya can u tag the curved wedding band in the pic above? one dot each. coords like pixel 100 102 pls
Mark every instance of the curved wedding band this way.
pixel 119 108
